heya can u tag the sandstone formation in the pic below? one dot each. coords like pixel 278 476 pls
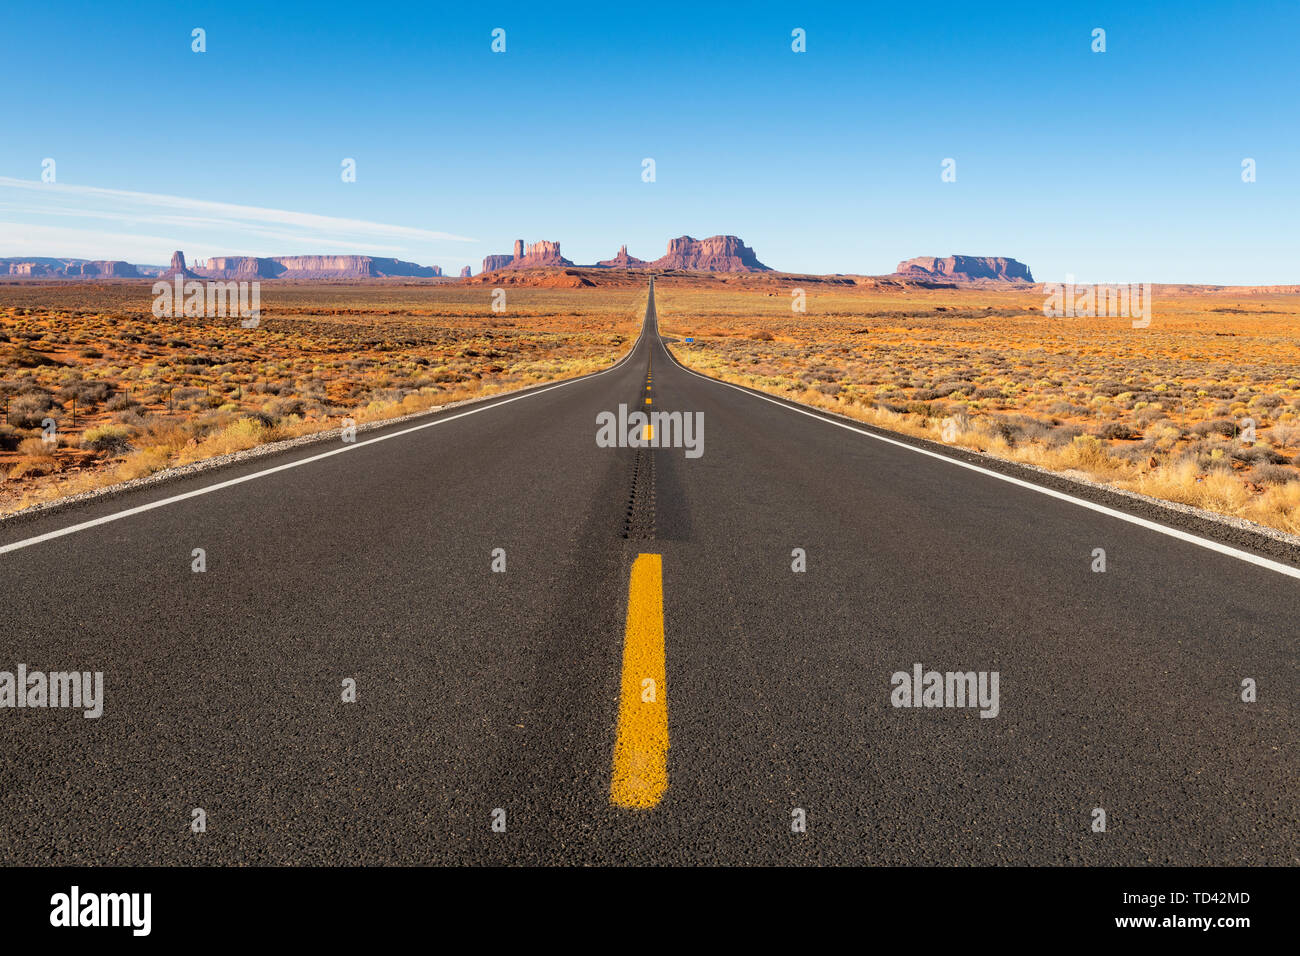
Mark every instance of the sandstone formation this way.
pixel 108 269
pixel 622 261
pixel 965 268
pixel 244 268
pixel 177 268
pixel 714 254
pixel 313 267
pixel 26 270
pixel 536 255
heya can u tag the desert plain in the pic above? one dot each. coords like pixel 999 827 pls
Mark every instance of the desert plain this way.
pixel 1200 407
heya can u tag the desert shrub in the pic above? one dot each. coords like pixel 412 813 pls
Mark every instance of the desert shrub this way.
pixel 1255 454
pixel 1066 408
pixel 1132 453
pixel 1208 459
pixel 24 357
pixel 121 402
pixel 36 448
pixel 108 439
pixel 1033 430
pixel 1118 430
pixel 284 407
pixel 1286 435
pixel 1087 451
pixel 315 388
pixel 86 393
pixel 1219 426
pixel 762 335
pixel 27 411
pixel 260 418
pixel 1274 474
pixel 131 417
pixel 1008 431
pixel 32 465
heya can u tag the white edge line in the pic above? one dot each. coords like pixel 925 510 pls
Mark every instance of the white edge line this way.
pixel 1231 552
pixel 208 489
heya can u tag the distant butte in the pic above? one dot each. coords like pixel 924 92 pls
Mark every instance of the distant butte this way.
pixel 312 267
pixel 537 255
pixel 965 269
pixel 623 261
pixel 715 254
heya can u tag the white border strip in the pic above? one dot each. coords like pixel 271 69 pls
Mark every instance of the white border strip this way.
pixel 1231 552
pixel 163 502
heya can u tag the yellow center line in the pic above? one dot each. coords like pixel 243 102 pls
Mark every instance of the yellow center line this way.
pixel 647 401
pixel 640 774
pixel 649 433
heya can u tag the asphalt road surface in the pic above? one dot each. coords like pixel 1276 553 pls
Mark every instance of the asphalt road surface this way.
pixel 770 733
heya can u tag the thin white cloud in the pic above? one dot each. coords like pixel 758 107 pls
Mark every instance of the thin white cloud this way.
pixel 126 206
pixel 19 239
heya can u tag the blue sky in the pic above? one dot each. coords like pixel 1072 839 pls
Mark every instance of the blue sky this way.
pixel 1115 166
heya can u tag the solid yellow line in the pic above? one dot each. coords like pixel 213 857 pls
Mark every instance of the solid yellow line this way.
pixel 649 433
pixel 640 774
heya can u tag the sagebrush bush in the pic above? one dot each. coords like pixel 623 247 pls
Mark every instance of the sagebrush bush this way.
pixel 36 448
pixel 1274 474
pixel 29 410
pixel 1118 430
pixel 107 439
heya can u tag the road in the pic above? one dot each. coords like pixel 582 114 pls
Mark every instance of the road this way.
pixel 481 690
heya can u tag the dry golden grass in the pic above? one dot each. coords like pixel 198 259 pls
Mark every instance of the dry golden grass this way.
pixel 1161 410
pixel 149 393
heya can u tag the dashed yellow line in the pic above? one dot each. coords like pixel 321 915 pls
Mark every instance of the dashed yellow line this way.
pixel 649 433
pixel 640 775
pixel 647 401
